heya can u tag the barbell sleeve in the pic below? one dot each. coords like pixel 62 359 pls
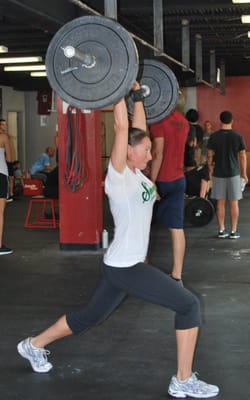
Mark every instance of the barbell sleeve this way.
pixel 87 60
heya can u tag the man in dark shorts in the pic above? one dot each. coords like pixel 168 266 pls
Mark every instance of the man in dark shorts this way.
pixel 169 137
pixel 227 164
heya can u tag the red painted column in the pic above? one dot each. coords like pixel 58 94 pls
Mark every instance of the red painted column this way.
pixel 80 178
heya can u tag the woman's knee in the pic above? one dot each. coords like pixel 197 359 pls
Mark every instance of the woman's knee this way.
pixel 189 316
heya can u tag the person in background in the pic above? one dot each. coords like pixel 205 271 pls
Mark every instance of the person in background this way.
pixel 11 182
pixel 131 195
pixel 189 152
pixel 18 177
pixel 3 129
pixel 51 190
pixel 169 137
pixel 227 164
pixel 192 116
pixel 208 130
pixel 51 186
pixel 5 155
pixel 197 181
pixel 17 169
pixel 42 166
pixel 56 140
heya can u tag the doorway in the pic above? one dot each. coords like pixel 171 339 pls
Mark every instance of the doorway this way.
pixel 14 123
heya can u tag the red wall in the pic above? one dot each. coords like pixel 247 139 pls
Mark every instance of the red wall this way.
pixel 210 103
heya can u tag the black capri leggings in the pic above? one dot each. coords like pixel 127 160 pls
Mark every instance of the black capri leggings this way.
pixel 142 281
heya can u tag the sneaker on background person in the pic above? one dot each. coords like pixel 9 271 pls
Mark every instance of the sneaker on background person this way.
pixel 234 235
pixel 36 356
pixel 192 387
pixel 223 234
pixel 5 250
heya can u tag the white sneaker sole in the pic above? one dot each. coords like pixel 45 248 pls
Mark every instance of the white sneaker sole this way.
pixel 182 395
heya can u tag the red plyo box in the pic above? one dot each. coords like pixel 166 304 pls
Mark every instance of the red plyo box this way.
pixel 32 187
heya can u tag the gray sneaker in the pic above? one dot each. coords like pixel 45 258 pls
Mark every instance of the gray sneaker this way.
pixel 36 356
pixel 192 387
pixel 234 235
pixel 223 234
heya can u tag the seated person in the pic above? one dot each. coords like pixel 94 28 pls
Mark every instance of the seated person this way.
pixel 197 178
pixel 18 177
pixel 42 167
pixel 18 172
pixel 51 184
pixel 197 181
pixel 51 190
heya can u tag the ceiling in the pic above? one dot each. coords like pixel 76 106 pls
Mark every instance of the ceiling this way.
pixel 27 26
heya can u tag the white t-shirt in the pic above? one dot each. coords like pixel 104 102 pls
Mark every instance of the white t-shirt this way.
pixel 131 197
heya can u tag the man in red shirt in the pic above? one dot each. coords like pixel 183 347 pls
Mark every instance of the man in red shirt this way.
pixel 169 137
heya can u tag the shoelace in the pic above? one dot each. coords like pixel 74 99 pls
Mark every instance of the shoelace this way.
pixel 41 356
pixel 200 385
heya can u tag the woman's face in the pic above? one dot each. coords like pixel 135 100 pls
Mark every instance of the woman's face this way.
pixel 208 126
pixel 140 155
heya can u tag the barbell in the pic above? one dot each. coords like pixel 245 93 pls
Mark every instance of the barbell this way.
pixel 199 211
pixel 92 62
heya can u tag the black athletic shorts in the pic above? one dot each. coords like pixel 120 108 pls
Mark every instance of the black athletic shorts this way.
pixel 4 182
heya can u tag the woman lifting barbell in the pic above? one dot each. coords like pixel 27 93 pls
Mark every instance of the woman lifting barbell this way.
pixel 131 196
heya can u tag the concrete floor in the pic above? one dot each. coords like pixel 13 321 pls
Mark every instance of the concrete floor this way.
pixel 132 355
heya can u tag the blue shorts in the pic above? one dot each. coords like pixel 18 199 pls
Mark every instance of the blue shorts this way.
pixel 4 184
pixel 170 209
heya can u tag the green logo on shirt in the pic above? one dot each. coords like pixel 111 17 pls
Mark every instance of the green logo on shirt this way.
pixel 148 193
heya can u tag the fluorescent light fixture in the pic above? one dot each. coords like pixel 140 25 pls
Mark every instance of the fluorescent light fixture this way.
pixel 240 1
pixel 38 74
pixel 25 68
pixel 245 19
pixel 248 34
pixel 16 60
pixel 3 49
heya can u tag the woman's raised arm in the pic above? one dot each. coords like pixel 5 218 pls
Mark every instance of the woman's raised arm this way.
pixel 120 144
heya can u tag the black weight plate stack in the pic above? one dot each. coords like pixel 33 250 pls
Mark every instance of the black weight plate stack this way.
pixel 199 211
pixel 116 65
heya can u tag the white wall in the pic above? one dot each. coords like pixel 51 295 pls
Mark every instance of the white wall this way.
pixel 13 100
pixel 34 137
pixel 190 98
